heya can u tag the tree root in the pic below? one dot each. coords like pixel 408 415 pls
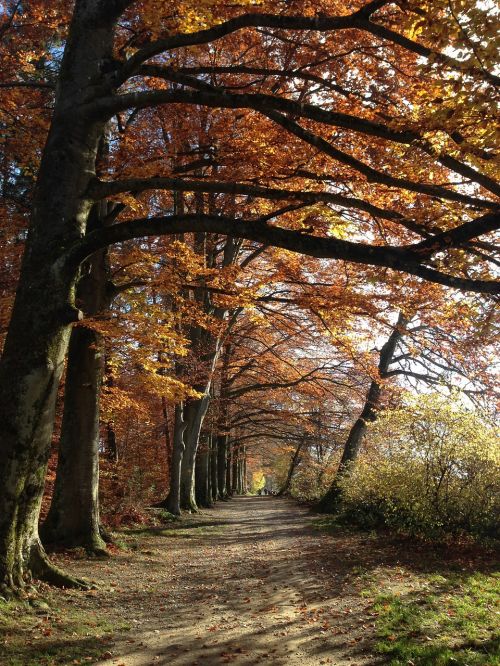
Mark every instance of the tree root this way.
pixel 43 569
pixel 98 552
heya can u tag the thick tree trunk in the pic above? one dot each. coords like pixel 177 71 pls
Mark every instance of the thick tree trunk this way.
pixel 44 307
pixel 73 519
pixel 332 500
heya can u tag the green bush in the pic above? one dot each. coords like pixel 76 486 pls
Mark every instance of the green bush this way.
pixel 429 468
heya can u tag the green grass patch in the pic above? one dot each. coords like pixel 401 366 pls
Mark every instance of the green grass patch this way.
pixel 336 524
pixel 167 517
pixel 183 531
pixel 452 620
pixel 29 637
pixel 331 524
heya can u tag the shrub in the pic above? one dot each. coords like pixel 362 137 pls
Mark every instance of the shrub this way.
pixel 429 468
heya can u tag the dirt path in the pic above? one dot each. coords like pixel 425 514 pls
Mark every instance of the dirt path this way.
pixel 252 582
pixel 247 583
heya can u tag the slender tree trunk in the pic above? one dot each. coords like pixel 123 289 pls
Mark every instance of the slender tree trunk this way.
pixel 222 465
pixel 202 474
pixel 213 469
pixel 229 469
pixel 244 483
pixel 293 466
pixel 332 500
pixel 173 501
pixel 209 470
pixel 168 443
pixel 234 474
pixel 241 485
pixel 194 413
pixel 44 307
pixel 111 443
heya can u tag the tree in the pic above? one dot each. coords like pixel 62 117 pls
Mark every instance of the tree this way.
pixel 97 82
pixel 331 500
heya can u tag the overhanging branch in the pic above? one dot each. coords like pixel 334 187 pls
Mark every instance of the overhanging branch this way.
pixel 400 259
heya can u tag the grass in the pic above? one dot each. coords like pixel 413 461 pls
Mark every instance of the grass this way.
pixel 441 606
pixel 29 637
pixel 184 530
pixel 330 524
pixel 453 620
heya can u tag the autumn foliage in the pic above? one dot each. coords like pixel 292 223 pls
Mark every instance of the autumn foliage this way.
pixel 261 194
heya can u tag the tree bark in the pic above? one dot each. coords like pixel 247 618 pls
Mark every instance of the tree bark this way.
pixel 222 465
pixel 173 501
pixel 244 484
pixel 44 308
pixel 229 469
pixel 234 473
pixel 73 518
pixel 194 413
pixel 202 474
pixel 293 466
pixel 213 469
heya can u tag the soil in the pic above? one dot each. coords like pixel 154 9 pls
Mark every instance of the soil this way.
pixel 248 582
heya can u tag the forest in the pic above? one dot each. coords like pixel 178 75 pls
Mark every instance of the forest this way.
pixel 249 332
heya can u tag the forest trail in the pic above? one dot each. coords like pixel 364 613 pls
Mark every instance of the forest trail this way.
pixel 246 583
pixel 254 581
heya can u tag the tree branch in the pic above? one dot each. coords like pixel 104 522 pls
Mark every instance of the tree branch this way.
pixel 459 235
pixel 359 20
pixel 101 189
pixel 401 259
pixel 269 105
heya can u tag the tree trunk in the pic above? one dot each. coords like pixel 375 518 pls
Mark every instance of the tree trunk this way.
pixel 173 501
pixel 293 466
pixel 44 307
pixel 202 474
pixel 73 519
pixel 222 465
pixel 244 484
pixel 234 474
pixel 194 413
pixel 229 469
pixel 213 469
pixel 332 500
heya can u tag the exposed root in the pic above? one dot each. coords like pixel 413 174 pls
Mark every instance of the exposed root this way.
pixel 8 592
pixel 43 569
pixel 98 552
